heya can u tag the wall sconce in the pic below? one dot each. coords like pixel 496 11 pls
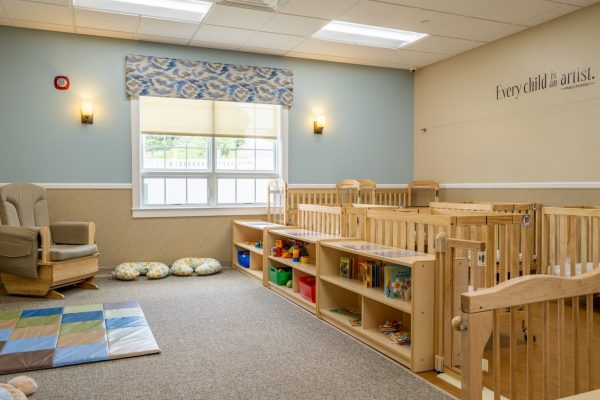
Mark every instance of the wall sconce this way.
pixel 87 113
pixel 319 124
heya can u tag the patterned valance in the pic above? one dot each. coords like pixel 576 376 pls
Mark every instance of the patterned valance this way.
pixel 171 77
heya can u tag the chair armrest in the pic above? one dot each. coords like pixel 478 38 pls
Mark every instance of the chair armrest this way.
pixel 73 232
pixel 19 250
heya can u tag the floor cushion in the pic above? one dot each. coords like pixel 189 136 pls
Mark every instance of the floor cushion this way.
pixel 157 270
pixel 182 268
pixel 207 266
pixel 202 266
pixel 126 273
pixel 129 271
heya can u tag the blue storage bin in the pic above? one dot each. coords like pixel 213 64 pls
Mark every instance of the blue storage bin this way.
pixel 244 258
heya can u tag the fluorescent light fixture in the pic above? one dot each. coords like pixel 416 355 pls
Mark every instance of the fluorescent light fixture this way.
pixel 367 35
pixel 179 10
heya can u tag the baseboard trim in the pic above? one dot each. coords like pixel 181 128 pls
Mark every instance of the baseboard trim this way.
pixel 523 185
pixel 82 185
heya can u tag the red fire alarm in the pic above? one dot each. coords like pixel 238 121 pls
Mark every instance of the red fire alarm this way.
pixel 61 82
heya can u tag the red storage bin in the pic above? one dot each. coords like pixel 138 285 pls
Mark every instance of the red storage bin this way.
pixel 308 288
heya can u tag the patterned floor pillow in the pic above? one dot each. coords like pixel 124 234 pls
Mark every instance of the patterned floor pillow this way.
pixel 207 266
pixel 202 266
pixel 129 271
pixel 157 270
pixel 125 273
pixel 181 267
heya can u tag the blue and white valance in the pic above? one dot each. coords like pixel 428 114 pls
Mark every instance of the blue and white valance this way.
pixel 171 77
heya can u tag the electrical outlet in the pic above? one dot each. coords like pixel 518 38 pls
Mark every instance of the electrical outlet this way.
pixel 484 365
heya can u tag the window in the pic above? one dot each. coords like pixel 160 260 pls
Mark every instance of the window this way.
pixel 205 155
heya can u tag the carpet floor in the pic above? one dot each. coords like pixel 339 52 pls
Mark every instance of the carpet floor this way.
pixel 224 337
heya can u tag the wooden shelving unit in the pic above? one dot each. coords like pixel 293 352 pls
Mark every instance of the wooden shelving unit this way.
pixel 245 233
pixel 416 314
pixel 309 239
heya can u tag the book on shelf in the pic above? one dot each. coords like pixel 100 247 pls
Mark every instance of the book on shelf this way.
pixel 396 281
pixel 346 267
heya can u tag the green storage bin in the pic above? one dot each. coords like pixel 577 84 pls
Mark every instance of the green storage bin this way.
pixel 280 278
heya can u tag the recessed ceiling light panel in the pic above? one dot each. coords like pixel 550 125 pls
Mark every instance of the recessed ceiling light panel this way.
pixel 367 35
pixel 179 10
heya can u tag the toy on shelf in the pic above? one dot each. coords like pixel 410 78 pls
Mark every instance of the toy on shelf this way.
pixel 259 244
pixel 295 250
pixel 393 330
pixel 355 318
pixel 289 249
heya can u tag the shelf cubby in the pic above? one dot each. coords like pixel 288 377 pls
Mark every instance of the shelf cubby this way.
pixel 245 234
pixel 415 314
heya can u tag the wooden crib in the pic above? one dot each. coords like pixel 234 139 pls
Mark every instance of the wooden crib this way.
pixel 496 261
pixel 557 356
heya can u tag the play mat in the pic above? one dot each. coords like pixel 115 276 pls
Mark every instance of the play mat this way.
pixel 55 337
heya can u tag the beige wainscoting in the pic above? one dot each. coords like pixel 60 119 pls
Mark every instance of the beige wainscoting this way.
pixel 122 238
pixel 554 197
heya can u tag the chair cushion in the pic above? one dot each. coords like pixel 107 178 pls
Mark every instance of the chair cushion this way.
pixel 61 252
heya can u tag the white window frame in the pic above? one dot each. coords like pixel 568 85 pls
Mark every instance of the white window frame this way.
pixel 141 211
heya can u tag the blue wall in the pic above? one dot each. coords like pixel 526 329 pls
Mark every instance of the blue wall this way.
pixel 368 110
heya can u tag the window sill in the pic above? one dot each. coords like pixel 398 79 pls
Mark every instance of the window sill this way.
pixel 159 212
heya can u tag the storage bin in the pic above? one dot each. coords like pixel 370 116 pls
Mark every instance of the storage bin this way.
pixel 280 278
pixel 307 288
pixel 244 258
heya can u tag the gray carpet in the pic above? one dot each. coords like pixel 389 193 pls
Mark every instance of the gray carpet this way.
pixel 225 337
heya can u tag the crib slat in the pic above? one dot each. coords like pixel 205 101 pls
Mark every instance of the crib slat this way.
pixel 560 346
pixel 545 349
pixel 572 244
pixel 584 243
pixel 513 332
pixel 562 248
pixel 529 364
pixel 410 240
pixel 575 339
pixel 490 260
pixel 496 355
pixel 403 235
pixel 388 233
pixel 596 241
pixel 430 239
pixel 551 262
pixel 589 322
pixel 420 237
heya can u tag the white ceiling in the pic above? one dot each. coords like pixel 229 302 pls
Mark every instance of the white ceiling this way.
pixel 454 26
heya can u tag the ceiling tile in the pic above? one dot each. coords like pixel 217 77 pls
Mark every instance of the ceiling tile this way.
pixel 66 3
pixel 167 28
pixel 547 16
pixel 236 17
pixel 105 33
pixel 274 41
pixel 38 12
pixel 213 45
pixel 294 25
pixel 581 3
pixel 443 45
pixel 262 50
pixel 504 32
pixel 161 39
pixel 347 60
pixel 460 7
pixel 399 17
pixel 219 34
pixel 106 20
pixel 516 11
pixel 473 29
pixel 328 9
pixel 42 26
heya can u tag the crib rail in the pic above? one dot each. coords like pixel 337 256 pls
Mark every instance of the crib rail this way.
pixel 570 240
pixel 550 354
